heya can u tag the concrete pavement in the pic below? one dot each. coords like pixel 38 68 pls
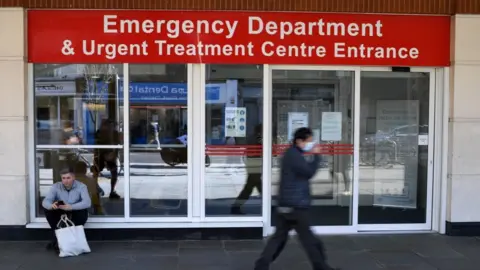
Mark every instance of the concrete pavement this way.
pixel 359 252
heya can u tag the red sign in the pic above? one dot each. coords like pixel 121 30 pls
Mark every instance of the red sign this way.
pixel 110 36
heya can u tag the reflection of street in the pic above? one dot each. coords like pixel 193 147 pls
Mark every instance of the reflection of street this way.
pixel 153 159
pixel 222 181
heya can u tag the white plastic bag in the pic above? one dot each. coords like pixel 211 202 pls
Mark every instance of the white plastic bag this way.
pixel 71 239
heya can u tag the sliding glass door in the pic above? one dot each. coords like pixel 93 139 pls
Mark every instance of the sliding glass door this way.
pixel 322 99
pixel 396 149
pixel 375 127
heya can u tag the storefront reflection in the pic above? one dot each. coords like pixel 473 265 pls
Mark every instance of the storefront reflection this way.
pixel 79 126
pixel 158 140
pixel 233 116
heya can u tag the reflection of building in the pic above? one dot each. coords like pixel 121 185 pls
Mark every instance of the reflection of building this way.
pixel 166 104
pixel 387 170
pixel 56 107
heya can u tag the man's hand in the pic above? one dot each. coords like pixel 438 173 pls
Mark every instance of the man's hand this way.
pixel 54 206
pixel 317 149
pixel 65 207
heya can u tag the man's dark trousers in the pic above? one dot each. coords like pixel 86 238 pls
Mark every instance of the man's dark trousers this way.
pixel 78 217
pixel 297 219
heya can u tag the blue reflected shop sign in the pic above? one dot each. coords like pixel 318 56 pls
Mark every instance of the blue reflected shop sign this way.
pixel 157 93
pixel 152 93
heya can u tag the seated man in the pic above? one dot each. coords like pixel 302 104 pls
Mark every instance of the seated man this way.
pixel 67 197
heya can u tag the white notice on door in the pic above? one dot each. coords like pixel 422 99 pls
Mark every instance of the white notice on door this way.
pixel 331 126
pixel 422 139
pixel 296 120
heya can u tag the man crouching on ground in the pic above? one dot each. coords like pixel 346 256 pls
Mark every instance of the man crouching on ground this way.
pixel 69 197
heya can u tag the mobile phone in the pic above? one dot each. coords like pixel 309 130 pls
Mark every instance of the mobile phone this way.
pixel 60 203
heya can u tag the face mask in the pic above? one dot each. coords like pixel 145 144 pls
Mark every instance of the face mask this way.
pixel 308 146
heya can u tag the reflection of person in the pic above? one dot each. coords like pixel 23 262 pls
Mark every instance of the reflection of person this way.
pixel 107 135
pixel 254 178
pixel 156 134
pixel 184 138
pixel 138 132
pixel 294 203
pixel 92 185
pixel 215 133
pixel 69 135
pixel 67 197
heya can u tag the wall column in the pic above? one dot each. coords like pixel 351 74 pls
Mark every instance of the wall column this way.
pixel 464 123
pixel 13 118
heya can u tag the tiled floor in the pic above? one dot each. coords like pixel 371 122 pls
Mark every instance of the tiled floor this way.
pixel 360 252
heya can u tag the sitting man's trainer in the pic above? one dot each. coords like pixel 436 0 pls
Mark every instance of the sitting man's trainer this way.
pixel 69 197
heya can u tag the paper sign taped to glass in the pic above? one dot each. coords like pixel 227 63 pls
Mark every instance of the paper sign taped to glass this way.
pixel 331 126
pixel 235 122
pixel 396 154
pixel 296 120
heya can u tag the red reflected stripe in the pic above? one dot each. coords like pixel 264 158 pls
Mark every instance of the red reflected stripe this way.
pixel 278 149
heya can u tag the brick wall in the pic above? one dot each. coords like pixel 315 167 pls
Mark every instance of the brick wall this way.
pixel 364 6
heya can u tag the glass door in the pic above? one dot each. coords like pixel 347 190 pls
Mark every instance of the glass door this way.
pixel 322 99
pixel 396 149
pixel 159 152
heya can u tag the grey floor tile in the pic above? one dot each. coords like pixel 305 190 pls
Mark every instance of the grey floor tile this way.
pixel 239 245
pixel 339 243
pixel 461 241
pixel 201 244
pixel 211 267
pixel 166 248
pixel 154 263
pixel 423 266
pixel 378 243
pixel 454 264
pixel 74 263
pixel 242 260
pixel 398 259
pixel 9 266
pixel 292 264
pixel 205 257
pixel 111 246
pixel 469 252
pixel 359 260
pixel 437 251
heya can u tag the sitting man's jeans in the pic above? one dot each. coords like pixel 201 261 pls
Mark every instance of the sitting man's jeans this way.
pixel 78 217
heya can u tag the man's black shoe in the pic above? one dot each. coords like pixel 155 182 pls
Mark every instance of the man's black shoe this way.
pixel 53 246
pixel 50 246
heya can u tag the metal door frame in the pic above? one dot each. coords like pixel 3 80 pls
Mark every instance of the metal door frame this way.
pixel 427 226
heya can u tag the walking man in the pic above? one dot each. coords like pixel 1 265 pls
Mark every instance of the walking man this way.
pixel 294 202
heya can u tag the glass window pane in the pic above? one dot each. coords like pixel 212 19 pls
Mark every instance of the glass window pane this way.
pixel 323 101
pixel 233 138
pixel 158 147
pixel 394 112
pixel 77 107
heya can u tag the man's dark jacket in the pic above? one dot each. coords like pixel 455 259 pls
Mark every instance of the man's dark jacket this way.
pixel 296 172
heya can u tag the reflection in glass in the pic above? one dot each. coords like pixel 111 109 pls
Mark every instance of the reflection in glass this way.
pixel 233 138
pixel 158 140
pixel 393 166
pixel 323 101
pixel 77 107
